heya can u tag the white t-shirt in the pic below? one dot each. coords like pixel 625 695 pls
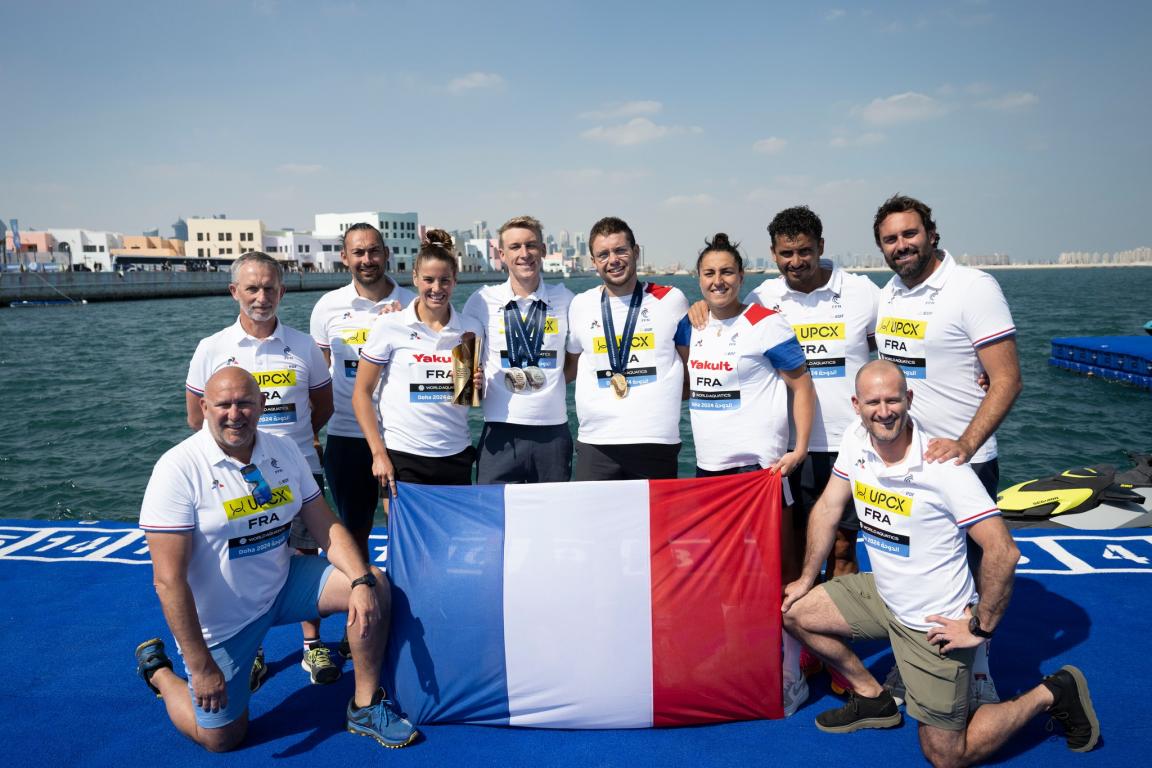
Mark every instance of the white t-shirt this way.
pixel 932 332
pixel 287 365
pixel 547 405
pixel 913 517
pixel 833 325
pixel 340 323
pixel 651 411
pixel 737 401
pixel 240 553
pixel 416 410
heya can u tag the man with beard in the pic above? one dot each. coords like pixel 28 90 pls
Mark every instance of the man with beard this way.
pixel 949 329
pixel 920 596
pixel 833 313
pixel 525 437
pixel 340 323
pixel 297 392
pixel 944 324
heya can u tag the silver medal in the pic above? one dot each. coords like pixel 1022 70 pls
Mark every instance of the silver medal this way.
pixel 535 377
pixel 515 380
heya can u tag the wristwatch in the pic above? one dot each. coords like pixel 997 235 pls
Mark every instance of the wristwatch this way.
pixel 369 579
pixel 975 628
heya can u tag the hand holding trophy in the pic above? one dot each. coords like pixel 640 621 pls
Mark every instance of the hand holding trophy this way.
pixel 465 367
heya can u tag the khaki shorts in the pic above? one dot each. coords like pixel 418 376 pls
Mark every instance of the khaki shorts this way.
pixel 937 686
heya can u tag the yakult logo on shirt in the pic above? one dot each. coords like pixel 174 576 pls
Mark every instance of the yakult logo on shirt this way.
pixel 708 365
pixel 422 358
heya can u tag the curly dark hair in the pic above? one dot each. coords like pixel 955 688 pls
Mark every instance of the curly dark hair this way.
pixel 793 222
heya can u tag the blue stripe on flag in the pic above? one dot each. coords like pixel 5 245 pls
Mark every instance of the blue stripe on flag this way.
pixel 456 669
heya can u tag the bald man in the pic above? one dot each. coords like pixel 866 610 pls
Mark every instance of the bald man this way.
pixel 914 515
pixel 217 514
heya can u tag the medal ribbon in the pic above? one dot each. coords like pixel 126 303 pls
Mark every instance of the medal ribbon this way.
pixel 618 353
pixel 525 336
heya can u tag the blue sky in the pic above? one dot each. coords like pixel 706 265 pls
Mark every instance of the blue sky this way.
pixel 1026 125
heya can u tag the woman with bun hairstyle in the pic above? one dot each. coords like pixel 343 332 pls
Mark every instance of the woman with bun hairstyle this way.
pixel 740 368
pixel 415 432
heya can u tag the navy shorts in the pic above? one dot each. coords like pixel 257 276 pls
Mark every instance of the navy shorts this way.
pixel 355 490
pixel 634 461
pixel 807 482
pixel 524 453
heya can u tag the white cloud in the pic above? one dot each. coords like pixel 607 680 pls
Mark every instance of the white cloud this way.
pixel 902 108
pixel 476 80
pixel 835 14
pixel 623 109
pixel 770 146
pixel 638 130
pixel 1011 102
pixel 862 140
pixel 701 200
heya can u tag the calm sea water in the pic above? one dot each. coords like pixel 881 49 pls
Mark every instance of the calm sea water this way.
pixel 90 396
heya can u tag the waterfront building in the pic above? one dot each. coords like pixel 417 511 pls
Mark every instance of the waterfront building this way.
pixel 401 232
pixel 223 239
pixel 143 252
pixel 304 251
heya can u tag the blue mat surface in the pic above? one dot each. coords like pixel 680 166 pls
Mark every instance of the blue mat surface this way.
pixel 75 600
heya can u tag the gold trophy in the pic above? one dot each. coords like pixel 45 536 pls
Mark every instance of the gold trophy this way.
pixel 465 362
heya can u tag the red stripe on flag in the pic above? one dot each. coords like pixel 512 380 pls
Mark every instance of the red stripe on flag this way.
pixel 716 594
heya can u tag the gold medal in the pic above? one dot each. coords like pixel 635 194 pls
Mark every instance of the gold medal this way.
pixel 619 384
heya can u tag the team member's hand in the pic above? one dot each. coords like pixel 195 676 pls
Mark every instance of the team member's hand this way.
pixel 390 307
pixel 788 462
pixel 942 449
pixel 952 634
pixel 698 315
pixel 793 592
pixel 478 381
pixel 384 471
pixel 363 609
pixel 209 688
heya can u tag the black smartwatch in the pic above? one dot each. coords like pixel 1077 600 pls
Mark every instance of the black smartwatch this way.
pixel 975 628
pixel 369 579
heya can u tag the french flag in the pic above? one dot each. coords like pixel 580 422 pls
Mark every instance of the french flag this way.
pixel 626 604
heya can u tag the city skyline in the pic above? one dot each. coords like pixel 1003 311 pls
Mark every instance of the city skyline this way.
pixel 1023 125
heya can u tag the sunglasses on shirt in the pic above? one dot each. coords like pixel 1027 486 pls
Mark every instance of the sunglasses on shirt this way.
pixel 261 491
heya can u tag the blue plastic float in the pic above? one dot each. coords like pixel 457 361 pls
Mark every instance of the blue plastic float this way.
pixel 1126 359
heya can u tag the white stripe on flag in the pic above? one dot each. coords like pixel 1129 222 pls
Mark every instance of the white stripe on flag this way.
pixel 577 604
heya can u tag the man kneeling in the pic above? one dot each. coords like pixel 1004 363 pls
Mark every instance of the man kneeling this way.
pixel 217 513
pixel 920 595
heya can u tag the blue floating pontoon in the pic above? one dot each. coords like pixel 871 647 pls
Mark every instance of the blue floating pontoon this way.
pixel 1116 358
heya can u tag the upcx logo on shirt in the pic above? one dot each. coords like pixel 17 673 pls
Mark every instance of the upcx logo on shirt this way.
pixel 898 326
pixel 275 378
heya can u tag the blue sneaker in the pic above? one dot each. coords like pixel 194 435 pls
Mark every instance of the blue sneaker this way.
pixel 382 722
pixel 150 656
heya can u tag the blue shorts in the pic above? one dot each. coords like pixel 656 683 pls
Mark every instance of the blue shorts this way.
pixel 299 600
